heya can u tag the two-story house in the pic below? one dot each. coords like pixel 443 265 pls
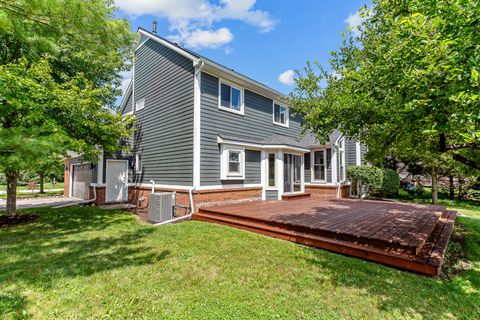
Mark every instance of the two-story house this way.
pixel 212 135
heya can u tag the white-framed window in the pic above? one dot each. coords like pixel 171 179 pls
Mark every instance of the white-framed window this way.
pixel 280 114
pixel 341 159
pixel 138 162
pixel 271 170
pixel 140 104
pixel 230 98
pixel 232 163
pixel 319 165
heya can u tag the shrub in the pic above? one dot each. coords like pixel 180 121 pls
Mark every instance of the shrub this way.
pixel 390 183
pixel 366 180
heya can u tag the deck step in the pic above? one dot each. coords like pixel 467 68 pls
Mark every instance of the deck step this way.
pixel 295 196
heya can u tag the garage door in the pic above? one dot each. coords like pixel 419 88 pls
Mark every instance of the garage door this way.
pixel 82 177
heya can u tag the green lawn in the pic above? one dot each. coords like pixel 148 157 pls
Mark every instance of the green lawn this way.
pixel 34 195
pixel 86 263
pixel 48 185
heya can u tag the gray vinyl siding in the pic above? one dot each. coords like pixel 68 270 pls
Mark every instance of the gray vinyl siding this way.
pixel 256 123
pixel 350 153
pixel 252 167
pixel 271 194
pixel 128 104
pixel 165 80
pixel 363 152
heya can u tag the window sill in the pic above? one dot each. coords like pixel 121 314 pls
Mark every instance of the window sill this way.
pixel 233 178
pixel 281 124
pixel 241 113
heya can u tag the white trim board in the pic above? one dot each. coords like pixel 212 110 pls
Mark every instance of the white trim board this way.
pixel 262 146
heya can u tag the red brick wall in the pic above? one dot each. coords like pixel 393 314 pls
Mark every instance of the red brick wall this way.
pixel 139 197
pixel 327 191
pixel 100 195
pixel 66 178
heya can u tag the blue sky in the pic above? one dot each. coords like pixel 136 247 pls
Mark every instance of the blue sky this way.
pixel 262 39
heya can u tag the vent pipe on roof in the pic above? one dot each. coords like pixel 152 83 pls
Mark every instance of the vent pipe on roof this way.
pixel 154 29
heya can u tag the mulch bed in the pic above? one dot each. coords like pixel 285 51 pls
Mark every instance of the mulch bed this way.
pixel 6 221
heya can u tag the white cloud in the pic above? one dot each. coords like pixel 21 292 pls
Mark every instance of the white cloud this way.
pixel 208 38
pixel 190 20
pixel 287 78
pixel 354 21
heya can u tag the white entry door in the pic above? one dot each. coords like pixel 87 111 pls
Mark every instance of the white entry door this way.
pixel 117 181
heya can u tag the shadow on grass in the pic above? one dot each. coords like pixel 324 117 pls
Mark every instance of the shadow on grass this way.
pixel 13 306
pixel 407 294
pixel 67 243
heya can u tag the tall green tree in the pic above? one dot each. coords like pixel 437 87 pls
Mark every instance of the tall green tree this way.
pixel 409 83
pixel 59 76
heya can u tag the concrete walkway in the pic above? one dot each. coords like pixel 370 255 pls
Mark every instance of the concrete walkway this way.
pixel 40 202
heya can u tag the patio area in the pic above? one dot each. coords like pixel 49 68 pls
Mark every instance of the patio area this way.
pixel 407 236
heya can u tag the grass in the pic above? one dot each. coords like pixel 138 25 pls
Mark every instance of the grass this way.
pixel 34 195
pixel 48 185
pixel 87 263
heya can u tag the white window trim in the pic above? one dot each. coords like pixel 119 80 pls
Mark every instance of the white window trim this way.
pixel 242 97
pixel 312 165
pixel 287 115
pixel 138 168
pixel 140 102
pixel 224 161
pixel 341 150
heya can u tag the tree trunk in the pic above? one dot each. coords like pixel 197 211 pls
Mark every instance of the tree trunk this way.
pixel 434 186
pixel 42 190
pixel 12 179
pixel 452 188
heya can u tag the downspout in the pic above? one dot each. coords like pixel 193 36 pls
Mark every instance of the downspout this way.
pixel 153 186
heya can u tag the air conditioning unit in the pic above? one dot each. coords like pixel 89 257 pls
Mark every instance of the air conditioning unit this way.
pixel 161 206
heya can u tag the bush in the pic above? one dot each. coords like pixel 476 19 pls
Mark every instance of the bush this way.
pixel 366 180
pixel 391 182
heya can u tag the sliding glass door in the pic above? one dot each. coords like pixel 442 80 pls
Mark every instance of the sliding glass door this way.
pixel 292 173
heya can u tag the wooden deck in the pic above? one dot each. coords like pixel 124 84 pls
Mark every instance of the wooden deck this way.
pixel 408 236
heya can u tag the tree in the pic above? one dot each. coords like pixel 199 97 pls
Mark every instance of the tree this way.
pixel 46 166
pixel 59 76
pixel 408 84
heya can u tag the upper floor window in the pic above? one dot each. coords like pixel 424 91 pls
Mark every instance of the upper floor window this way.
pixel 280 114
pixel 140 104
pixel 230 98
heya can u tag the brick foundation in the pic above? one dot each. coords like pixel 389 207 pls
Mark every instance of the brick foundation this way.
pixel 322 191
pixel 101 191
pixel 66 178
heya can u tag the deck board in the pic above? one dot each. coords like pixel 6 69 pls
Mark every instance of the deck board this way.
pixel 395 231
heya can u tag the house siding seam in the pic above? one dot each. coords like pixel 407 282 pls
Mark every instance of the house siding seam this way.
pixel 164 135
pixel 256 123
